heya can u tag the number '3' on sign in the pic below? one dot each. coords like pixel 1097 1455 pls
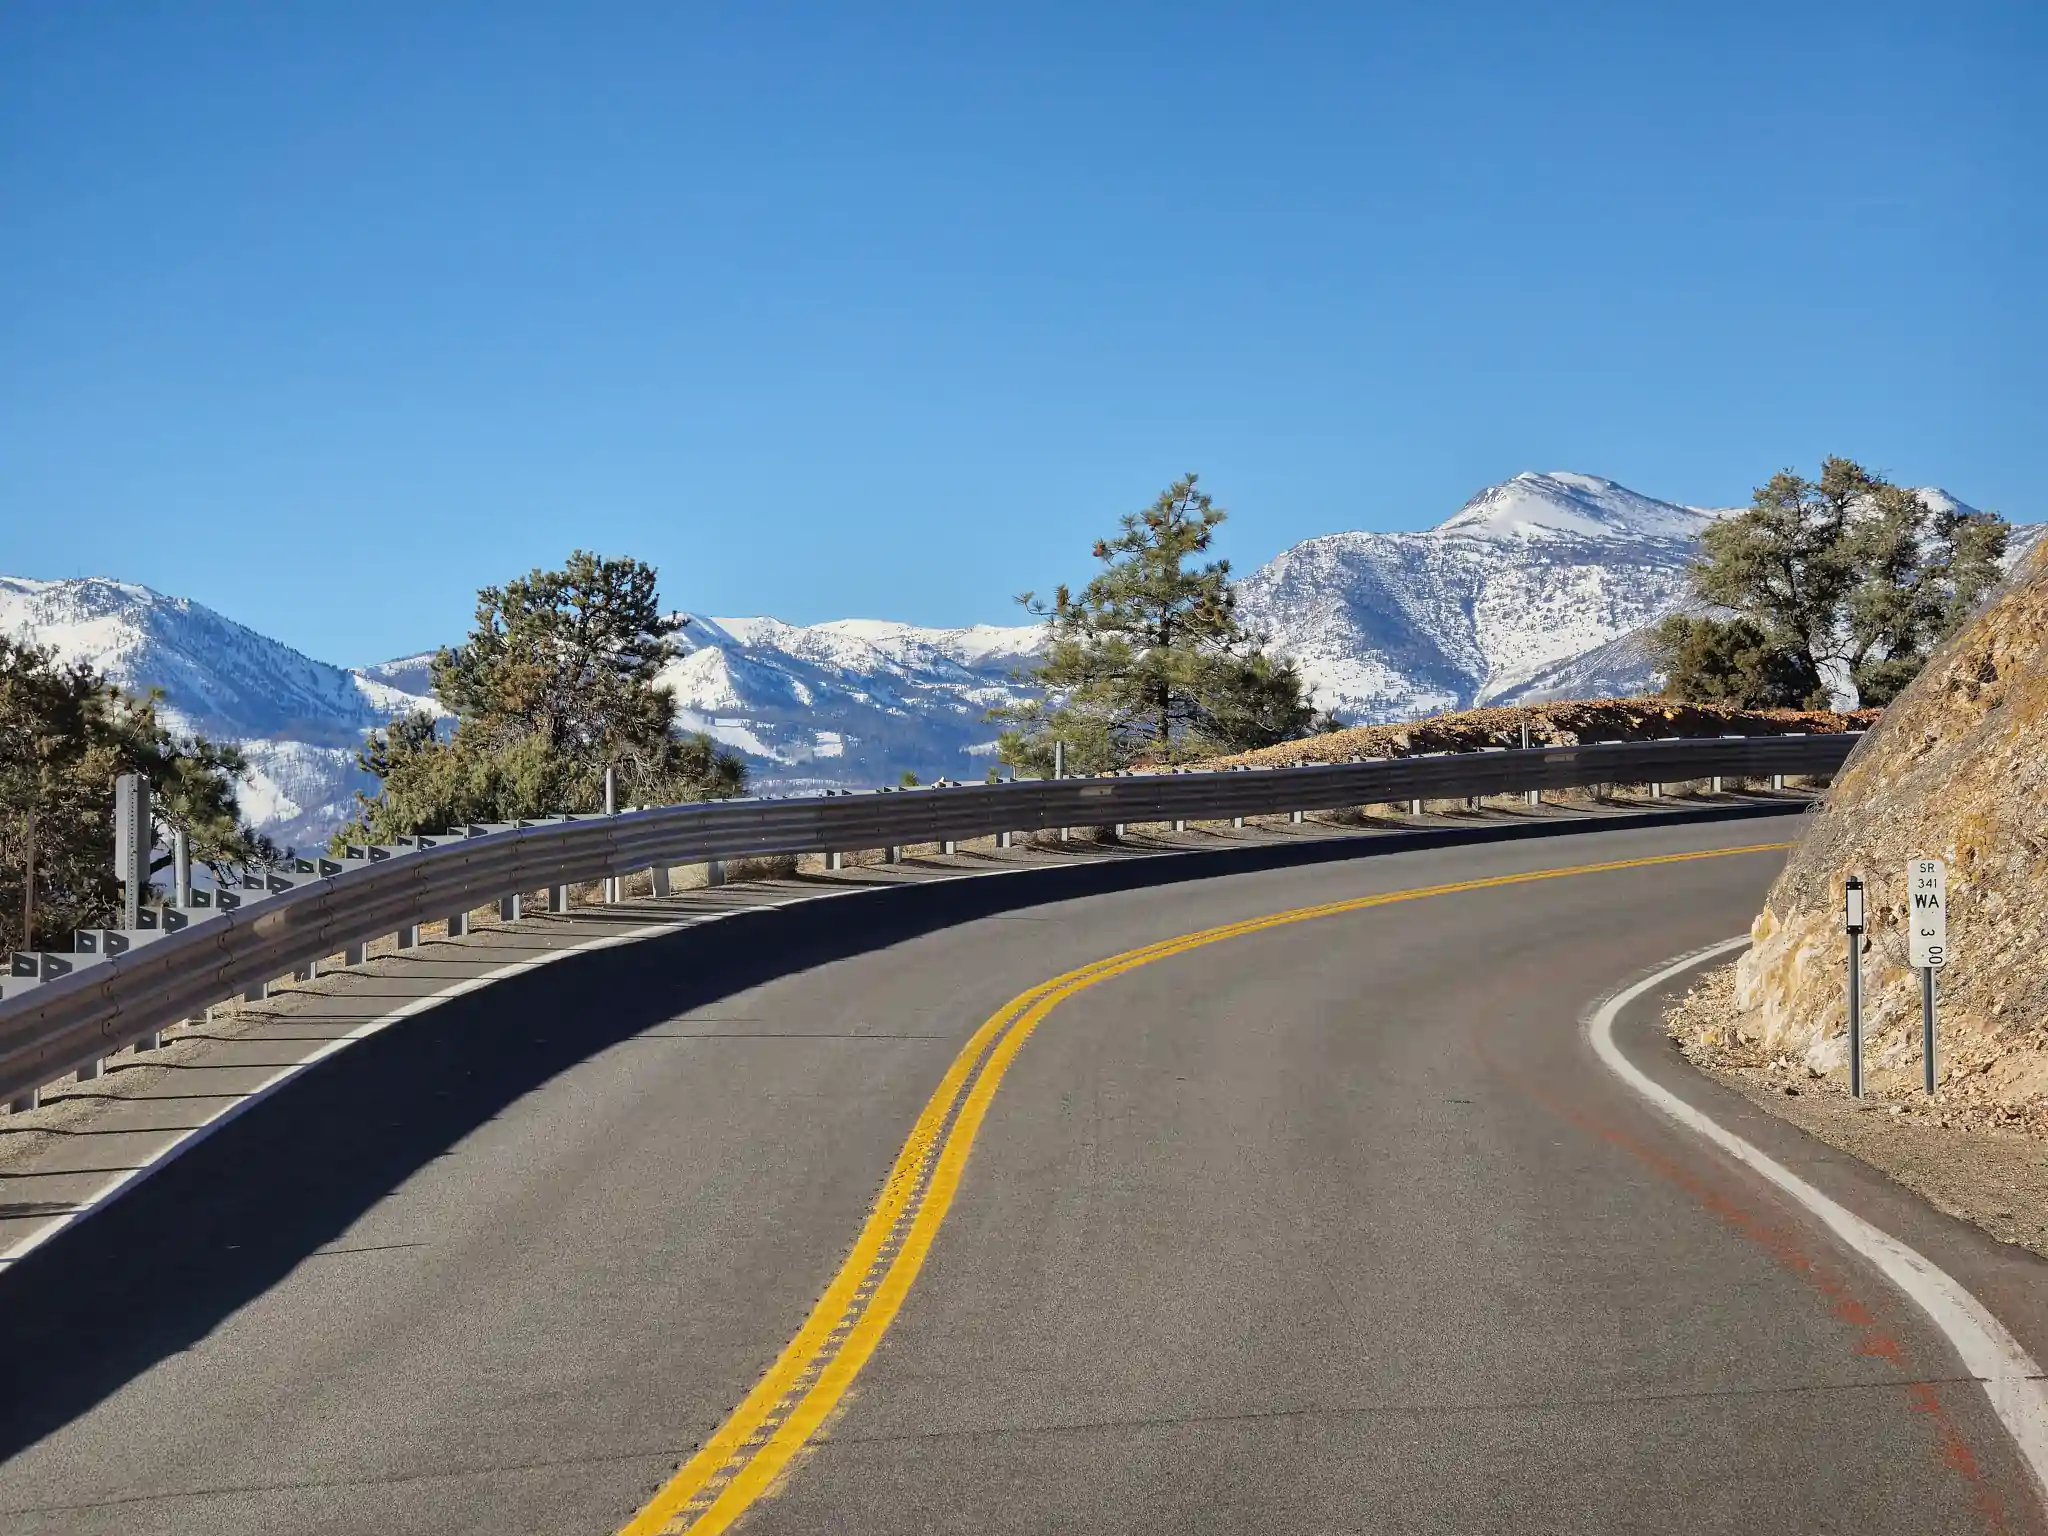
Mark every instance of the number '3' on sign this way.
pixel 1927 913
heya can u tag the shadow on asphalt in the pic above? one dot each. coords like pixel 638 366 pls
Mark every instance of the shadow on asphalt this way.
pixel 162 1267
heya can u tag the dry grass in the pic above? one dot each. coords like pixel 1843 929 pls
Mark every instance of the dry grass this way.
pixel 1569 723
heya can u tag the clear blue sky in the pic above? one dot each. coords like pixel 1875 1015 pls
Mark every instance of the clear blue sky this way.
pixel 327 314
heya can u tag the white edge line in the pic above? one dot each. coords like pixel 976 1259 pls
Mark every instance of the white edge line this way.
pixel 1989 1352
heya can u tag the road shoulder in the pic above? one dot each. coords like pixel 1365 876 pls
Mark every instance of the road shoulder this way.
pixel 1969 1160
pixel 2008 1280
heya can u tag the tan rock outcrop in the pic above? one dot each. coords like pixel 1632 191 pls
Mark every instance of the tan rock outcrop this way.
pixel 1957 769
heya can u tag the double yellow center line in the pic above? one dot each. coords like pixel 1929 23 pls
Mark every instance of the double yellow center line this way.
pixel 790 1405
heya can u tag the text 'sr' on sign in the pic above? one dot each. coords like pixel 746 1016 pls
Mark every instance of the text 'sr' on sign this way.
pixel 1927 913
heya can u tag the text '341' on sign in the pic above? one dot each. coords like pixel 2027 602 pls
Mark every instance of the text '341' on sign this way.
pixel 1927 913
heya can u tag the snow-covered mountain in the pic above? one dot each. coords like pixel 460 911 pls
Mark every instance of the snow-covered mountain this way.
pixel 1526 574
pixel 855 702
pixel 1540 587
pixel 299 720
pixel 851 701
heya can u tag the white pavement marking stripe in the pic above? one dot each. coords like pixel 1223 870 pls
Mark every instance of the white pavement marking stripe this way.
pixel 2008 1374
pixel 128 1179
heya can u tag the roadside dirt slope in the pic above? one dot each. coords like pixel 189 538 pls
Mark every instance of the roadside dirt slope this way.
pixel 1560 724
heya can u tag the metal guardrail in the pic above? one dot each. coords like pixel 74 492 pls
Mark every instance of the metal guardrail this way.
pixel 62 1013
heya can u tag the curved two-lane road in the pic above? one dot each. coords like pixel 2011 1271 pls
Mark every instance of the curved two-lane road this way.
pixel 1334 1226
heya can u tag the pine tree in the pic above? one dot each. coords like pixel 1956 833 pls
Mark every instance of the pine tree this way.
pixel 1847 579
pixel 1149 662
pixel 555 684
pixel 66 734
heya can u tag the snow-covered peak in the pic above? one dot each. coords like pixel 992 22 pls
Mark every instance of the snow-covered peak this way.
pixel 218 677
pixel 971 646
pixel 1563 504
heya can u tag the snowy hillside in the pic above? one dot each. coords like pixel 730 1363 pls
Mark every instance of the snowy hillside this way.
pixel 1525 575
pixel 299 720
pixel 1537 588
pixel 851 701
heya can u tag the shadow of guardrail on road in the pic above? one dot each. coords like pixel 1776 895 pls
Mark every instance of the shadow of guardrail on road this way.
pixel 161 1268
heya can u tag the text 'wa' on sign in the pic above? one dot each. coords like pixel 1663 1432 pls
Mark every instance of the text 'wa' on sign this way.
pixel 1927 913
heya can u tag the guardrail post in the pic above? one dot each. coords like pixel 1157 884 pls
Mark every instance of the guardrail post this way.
pixel 1180 824
pixel 409 936
pixel 893 854
pixel 458 925
pixel 256 993
pixel 510 908
pixel 1295 817
pixel 658 881
pixel 1778 782
pixel 1717 783
pixel 949 847
pixel 26 1102
pixel 1656 791
pixel 558 898
pixel 1002 839
pixel 1237 822
pixel 153 1041
pixel 1535 796
pixel 1414 807
pixel 354 954
pixel 714 872
pixel 90 1070
pixel 611 808
pixel 835 861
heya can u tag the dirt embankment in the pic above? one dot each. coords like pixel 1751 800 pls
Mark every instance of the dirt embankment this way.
pixel 1957 770
pixel 1562 724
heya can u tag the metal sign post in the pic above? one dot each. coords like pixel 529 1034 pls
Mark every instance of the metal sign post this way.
pixel 1927 907
pixel 1852 922
pixel 131 844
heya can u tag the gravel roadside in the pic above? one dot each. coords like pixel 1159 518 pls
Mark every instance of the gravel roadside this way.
pixel 1977 1161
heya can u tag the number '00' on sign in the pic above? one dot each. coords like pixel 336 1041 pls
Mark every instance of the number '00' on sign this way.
pixel 1927 913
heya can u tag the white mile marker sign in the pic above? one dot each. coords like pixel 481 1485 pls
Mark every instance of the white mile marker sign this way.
pixel 1927 913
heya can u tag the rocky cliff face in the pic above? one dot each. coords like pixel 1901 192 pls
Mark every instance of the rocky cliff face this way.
pixel 1957 769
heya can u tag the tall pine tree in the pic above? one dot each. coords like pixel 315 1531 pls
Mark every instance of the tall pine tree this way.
pixel 66 734
pixel 1149 662
pixel 555 684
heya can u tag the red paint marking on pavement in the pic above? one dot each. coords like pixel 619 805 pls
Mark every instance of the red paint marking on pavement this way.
pixel 1923 1399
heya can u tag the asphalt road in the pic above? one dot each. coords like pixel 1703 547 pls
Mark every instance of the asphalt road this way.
pixel 1333 1227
